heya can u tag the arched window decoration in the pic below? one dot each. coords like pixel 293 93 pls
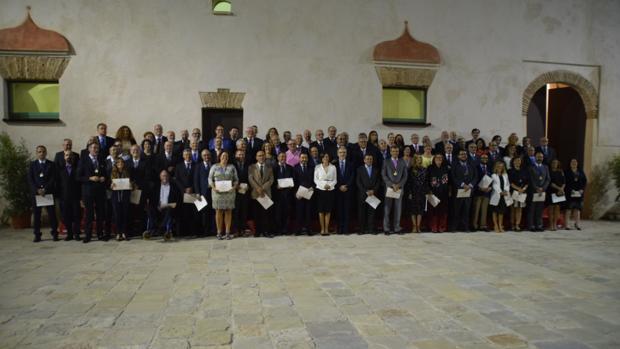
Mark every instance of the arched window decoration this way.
pixel 222 7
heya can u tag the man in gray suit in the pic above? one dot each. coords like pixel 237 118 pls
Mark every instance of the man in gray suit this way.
pixel 394 173
pixel 539 181
pixel 260 178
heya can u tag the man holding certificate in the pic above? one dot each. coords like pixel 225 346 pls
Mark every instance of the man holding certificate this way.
pixel 344 190
pixel 184 180
pixel 368 181
pixel 539 181
pixel 42 180
pixel 91 172
pixel 464 177
pixel 394 174
pixel 303 174
pixel 260 177
pixel 201 187
pixel 283 185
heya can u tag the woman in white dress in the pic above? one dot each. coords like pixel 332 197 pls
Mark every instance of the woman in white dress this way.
pixel 325 178
pixel 500 198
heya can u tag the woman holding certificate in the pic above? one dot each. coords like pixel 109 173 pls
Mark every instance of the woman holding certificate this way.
pixel 518 182
pixel 325 178
pixel 121 191
pixel 555 195
pixel 416 190
pixel 437 179
pixel 500 198
pixel 223 180
pixel 575 187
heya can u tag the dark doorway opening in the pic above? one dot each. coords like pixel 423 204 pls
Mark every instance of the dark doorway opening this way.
pixel 557 112
pixel 228 118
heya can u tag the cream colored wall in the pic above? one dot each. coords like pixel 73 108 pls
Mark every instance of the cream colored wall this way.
pixel 306 63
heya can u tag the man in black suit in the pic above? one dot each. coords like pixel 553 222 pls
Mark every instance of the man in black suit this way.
pixel 254 144
pixel 42 180
pixel 416 147
pixel 330 141
pixel 320 143
pixel 59 158
pixel 494 153
pixel 217 150
pixel 546 150
pixel 105 142
pixel 160 139
pixel 167 159
pixel 464 176
pixel 383 154
pixel 360 150
pixel 184 181
pixel 443 140
pixel 68 190
pixel 368 180
pixel 91 173
pixel 281 195
pixel 162 203
pixel 242 199
pixel 538 182
pixel 303 174
pixel 475 134
pixel 194 147
pixel 472 157
pixel 184 142
pixel 138 172
pixel 344 189
pixel 314 156
pixel 449 157
pixel 197 136
pixel 201 187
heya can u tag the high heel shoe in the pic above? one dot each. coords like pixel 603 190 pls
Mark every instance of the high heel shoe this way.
pixel 577 226
pixel 118 237
pixel 219 236
pixel 228 236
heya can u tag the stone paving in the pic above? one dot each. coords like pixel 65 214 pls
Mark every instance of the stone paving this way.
pixel 547 290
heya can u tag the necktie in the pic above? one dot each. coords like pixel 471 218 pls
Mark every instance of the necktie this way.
pixel 342 167
pixel 261 171
pixel 369 170
pixel 69 169
pixel 449 158
pixel 102 142
pixel 484 169
pixel 251 143
pixel 135 164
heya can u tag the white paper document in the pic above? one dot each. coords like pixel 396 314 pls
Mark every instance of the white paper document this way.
pixel 575 194
pixel 171 205
pixel 135 196
pixel 485 182
pixel 201 203
pixel 304 192
pixel 121 184
pixel 461 193
pixel 520 197
pixel 508 200
pixel 223 186
pixel 265 201
pixel 45 200
pixel 556 199
pixel 373 201
pixel 286 183
pixel 433 200
pixel 189 198
pixel 243 188
pixel 538 197
pixel 390 193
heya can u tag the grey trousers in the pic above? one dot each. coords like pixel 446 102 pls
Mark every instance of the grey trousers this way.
pixel 392 205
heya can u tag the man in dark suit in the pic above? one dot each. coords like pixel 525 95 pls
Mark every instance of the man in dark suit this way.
pixel 194 147
pixel 91 173
pixel 197 136
pixel 546 150
pixel 472 157
pixel 282 196
pixel 59 158
pixel 344 189
pixel 444 139
pixel 69 194
pixel 332 132
pixel 160 139
pixel 260 177
pixel 162 206
pixel 138 172
pixel 254 144
pixel 475 134
pixel 449 156
pixel 494 153
pixel 184 142
pixel 368 180
pixel 242 201
pixel 42 180
pixel 217 150
pixel 167 159
pixel 320 143
pixel 314 158
pixel 303 174
pixel 105 142
pixel 464 176
pixel 219 133
pixel 416 147
pixel 184 181
pixel 383 154
pixel 360 150
pixel 538 182
pixel 201 187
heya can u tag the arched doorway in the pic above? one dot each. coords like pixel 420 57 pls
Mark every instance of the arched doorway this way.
pixel 557 112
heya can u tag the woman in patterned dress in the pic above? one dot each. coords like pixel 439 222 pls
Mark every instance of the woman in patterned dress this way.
pixel 416 190
pixel 223 201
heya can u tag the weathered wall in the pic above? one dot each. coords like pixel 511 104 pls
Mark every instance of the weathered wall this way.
pixel 306 63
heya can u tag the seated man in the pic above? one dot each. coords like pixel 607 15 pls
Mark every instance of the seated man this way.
pixel 162 207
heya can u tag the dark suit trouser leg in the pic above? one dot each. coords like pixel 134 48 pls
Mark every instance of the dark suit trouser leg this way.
pixel 302 213
pixel 539 207
pixel 70 210
pixel 281 206
pixel 37 220
pixel 109 216
pixel 343 205
pixel 240 213
pixel 362 214
pixel 465 215
pixel 262 218
pixel 206 220
pixel 531 209
pixel 100 212
pixel 89 209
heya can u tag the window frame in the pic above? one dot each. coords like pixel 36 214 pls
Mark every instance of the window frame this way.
pixel 422 122
pixel 25 117
pixel 214 4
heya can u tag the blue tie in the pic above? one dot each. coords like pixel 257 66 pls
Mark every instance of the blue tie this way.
pixel 369 170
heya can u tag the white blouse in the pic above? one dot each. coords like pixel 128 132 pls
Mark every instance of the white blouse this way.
pixel 498 189
pixel 322 177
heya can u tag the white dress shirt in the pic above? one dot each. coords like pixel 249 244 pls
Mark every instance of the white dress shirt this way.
pixel 323 177
pixel 164 193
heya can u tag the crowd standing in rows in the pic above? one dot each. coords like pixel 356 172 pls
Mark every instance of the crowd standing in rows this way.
pixel 281 184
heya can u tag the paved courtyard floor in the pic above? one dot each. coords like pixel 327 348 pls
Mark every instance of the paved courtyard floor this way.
pixel 547 290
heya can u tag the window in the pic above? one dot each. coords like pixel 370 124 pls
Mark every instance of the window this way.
pixel 404 105
pixel 33 100
pixel 222 7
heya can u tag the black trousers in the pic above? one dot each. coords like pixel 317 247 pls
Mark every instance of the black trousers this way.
pixel 282 204
pixel 343 210
pixel 534 214
pixel 160 220
pixel 51 212
pixel 366 215
pixel 460 213
pixel 186 224
pixel 95 207
pixel 71 216
pixel 240 213
pixel 262 218
pixel 303 212
pixel 121 214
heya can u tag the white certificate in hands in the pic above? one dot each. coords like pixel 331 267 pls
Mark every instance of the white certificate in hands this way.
pixel 538 197
pixel 121 184
pixel 556 199
pixel 189 198
pixel 462 193
pixel 575 194
pixel 201 203
pixel 391 193
pixel 265 201
pixel 433 200
pixel 286 183
pixel 304 192
pixel 508 200
pixel 243 188
pixel 223 186
pixel 520 197
pixel 44 200
pixel 485 182
pixel 134 198
pixel 373 201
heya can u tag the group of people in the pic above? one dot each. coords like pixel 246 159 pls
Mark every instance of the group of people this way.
pixel 276 186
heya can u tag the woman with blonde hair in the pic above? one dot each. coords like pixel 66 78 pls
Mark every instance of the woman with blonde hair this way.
pixel 415 191
pixel 500 195
pixel 427 157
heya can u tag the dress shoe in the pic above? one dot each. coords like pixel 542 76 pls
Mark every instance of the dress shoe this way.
pixel 86 240
pixel 55 237
pixel 388 232
pixel 37 238
pixel 68 237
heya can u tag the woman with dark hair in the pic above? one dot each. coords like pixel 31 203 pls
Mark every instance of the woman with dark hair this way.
pixel 556 186
pixel 510 152
pixel 120 199
pixel 399 141
pixel 125 136
pixel 150 136
pixel 576 182
pixel 498 140
pixel 481 146
pixel 437 179
pixel 270 154
pixel 325 179
pixel 373 138
pixel 415 191
pixel 271 131
pixel 517 175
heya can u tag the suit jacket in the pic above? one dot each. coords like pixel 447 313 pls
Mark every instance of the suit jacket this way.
pixel 451 162
pixel 549 155
pixel 348 177
pixel 481 173
pixel 281 194
pixel 87 169
pixel 201 179
pixel 388 170
pixel 306 178
pixel 242 171
pixel 252 149
pixel 322 147
pixel 365 183
pixel 104 150
pixel 162 163
pixel 59 159
pixel 419 151
pixel 175 196
pixel 42 176
pixel 462 175
pixel 68 185
pixel 539 178
pixel 159 147
pixel 138 175
pixel 255 179
pixel 378 163
pixel 183 177
pixel 440 148
pixel 357 155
